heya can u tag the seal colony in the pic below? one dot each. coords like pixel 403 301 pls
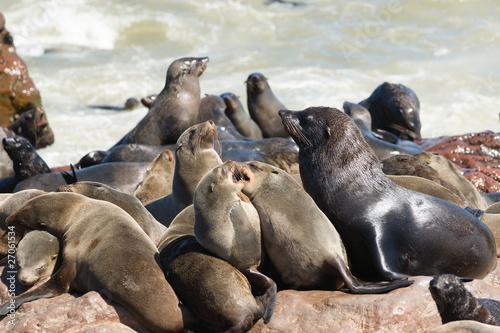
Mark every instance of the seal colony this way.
pixel 225 238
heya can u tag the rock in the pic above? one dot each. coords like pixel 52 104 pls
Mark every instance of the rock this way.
pixel 410 309
pixel 465 326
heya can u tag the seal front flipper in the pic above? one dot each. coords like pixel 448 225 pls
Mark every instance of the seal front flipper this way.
pixel 265 290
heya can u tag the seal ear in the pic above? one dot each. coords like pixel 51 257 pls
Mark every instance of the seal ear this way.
pixel 53 257
pixel 328 133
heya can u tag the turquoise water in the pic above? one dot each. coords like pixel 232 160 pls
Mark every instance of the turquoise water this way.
pixel 319 53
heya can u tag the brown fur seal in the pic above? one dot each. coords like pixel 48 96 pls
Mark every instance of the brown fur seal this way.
pixel 240 118
pixel 215 291
pixel 232 230
pixel 134 152
pixel 36 257
pixel 104 250
pixel 263 106
pixel 300 241
pixel 389 232
pixel 130 104
pixel 176 107
pixel 395 108
pixel 194 156
pixel 158 180
pixel 125 201
pixel 455 302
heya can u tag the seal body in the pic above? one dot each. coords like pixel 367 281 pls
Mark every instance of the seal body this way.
pixel 194 156
pixel 175 108
pixel 216 292
pixel 263 106
pixel 388 231
pixel 300 241
pixel 36 257
pixel 26 161
pixel 240 118
pixel 104 250
pixel 455 302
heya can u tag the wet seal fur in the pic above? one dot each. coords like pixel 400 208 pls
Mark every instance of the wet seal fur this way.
pixel 389 232
pixel 215 291
pixel 455 302
pixel 300 241
pixel 229 226
pixel 104 250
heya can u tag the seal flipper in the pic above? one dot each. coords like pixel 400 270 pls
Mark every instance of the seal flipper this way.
pixel 70 179
pixel 265 290
pixel 476 212
pixel 55 285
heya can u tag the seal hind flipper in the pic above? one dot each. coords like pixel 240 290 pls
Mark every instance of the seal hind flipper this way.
pixel 264 289
pixel 70 179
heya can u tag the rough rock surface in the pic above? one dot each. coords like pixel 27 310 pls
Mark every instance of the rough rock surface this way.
pixel 409 309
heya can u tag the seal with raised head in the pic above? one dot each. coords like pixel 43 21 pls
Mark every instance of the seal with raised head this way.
pixel 240 118
pixel 194 156
pixel 103 250
pixel 263 106
pixel 215 291
pixel 389 232
pixel 300 241
pixel 176 107
pixel 395 108
pixel 36 257
pixel 228 226
pixel 32 125
pixel 125 201
pixel 455 302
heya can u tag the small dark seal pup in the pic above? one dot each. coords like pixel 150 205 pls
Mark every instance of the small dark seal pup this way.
pixel 176 107
pixel 389 232
pixel 395 108
pixel 263 106
pixel 455 302
pixel 26 161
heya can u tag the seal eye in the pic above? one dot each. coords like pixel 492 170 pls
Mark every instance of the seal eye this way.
pixel 275 172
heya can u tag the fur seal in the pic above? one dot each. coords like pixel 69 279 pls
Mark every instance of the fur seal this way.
pixel 104 250
pixel 6 167
pixel 389 232
pixel 232 230
pixel 300 241
pixel 123 176
pixel 125 201
pixel 263 106
pixel 194 156
pixel 130 104
pixel 93 158
pixel 395 108
pixel 215 291
pixel 455 302
pixel 240 118
pixel 133 152
pixel 32 125
pixel 36 257
pixel 176 107
pixel 157 182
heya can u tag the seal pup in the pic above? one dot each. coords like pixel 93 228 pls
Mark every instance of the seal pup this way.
pixel 215 291
pixel 125 201
pixel 194 156
pixel 240 118
pixel 263 106
pixel 455 302
pixel 36 257
pixel 389 232
pixel 103 250
pixel 176 107
pixel 395 108
pixel 232 230
pixel 158 180
pixel 300 241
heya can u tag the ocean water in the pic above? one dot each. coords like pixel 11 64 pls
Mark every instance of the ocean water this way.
pixel 318 52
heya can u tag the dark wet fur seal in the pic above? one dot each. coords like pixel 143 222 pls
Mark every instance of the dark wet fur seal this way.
pixel 212 108
pixel 455 302
pixel 176 107
pixel 300 241
pixel 33 125
pixel 240 118
pixel 263 106
pixel 389 232
pixel 395 108
pixel 215 291
pixel 92 158
pixel 130 104
pixel 410 165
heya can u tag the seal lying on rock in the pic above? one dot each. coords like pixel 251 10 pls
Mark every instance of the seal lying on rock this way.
pixel 104 250
pixel 389 232
pixel 455 302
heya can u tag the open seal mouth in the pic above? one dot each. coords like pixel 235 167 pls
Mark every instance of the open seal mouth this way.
pixel 239 175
